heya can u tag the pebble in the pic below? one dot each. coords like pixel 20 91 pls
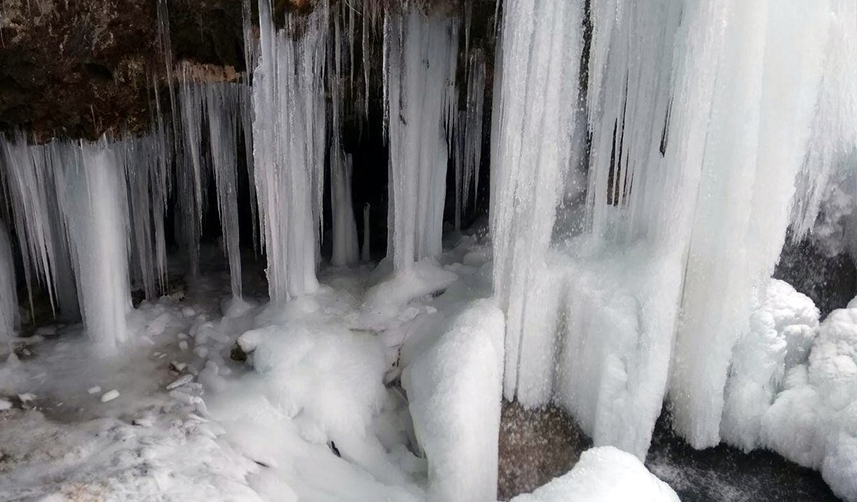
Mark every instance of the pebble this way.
pixel 110 395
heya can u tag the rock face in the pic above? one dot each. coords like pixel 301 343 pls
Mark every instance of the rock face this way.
pixel 82 68
pixel 535 447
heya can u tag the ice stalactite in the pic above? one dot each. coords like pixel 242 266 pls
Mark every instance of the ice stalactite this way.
pixel 91 189
pixel 41 236
pixel 345 247
pixel 827 187
pixel 191 177
pixel 420 55
pixel 540 62
pixel 288 146
pixel 468 137
pixel 223 102
pixel 145 166
pixel 8 289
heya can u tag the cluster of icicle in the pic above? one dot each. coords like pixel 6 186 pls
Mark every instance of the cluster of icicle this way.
pixel 713 126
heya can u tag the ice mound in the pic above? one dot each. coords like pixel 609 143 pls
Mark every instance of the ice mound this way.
pixel 782 328
pixel 813 421
pixel 604 474
pixel 455 390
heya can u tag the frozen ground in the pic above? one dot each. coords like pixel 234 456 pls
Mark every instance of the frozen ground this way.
pixel 319 410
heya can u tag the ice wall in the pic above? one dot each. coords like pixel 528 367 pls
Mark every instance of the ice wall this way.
pixel 288 148
pixel 700 115
pixel 420 58
pixel 8 288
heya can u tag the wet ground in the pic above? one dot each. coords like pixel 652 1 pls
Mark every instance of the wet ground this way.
pixel 726 474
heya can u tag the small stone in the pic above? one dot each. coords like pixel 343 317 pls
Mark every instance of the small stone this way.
pixel 94 390
pixel 183 380
pixel 110 395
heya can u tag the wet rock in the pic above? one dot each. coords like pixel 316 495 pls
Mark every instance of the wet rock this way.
pixel 535 447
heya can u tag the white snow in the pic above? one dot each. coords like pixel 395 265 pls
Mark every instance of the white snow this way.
pixel 604 474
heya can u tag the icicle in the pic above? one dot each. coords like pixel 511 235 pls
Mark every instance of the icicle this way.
pixel 289 140
pixel 223 110
pixel 8 289
pixel 420 56
pixel 364 252
pixel 345 250
pixel 365 49
pixel 192 169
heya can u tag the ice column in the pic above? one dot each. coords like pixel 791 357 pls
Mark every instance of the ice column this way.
pixel 8 289
pixel 747 85
pixel 91 190
pixel 540 61
pixel 420 54
pixel 288 146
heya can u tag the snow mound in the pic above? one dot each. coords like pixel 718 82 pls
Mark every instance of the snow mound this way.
pixel 813 421
pixel 455 390
pixel 604 474
pixel 782 327
pixel 324 373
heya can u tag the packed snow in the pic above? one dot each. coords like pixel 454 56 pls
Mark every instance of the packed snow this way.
pixel 604 474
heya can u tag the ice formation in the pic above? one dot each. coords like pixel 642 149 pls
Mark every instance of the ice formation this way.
pixel 689 184
pixel 420 60
pixel 223 108
pixel 604 474
pixel 8 288
pixel 468 138
pixel 288 149
pixel 345 249
pixel 97 231
pixel 462 375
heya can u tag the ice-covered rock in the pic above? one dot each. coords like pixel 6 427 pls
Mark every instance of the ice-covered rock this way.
pixel 782 328
pixel 455 390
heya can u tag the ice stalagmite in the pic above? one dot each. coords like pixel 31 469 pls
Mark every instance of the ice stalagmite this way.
pixel 223 112
pixel 419 85
pixel 540 61
pixel 345 248
pixel 288 148
pixel 90 185
pixel 8 289
pixel 760 83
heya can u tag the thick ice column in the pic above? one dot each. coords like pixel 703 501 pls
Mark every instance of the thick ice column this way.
pixel 758 85
pixel 288 148
pixel 8 289
pixel 92 193
pixel 419 85
pixel 541 48
pixel 223 111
